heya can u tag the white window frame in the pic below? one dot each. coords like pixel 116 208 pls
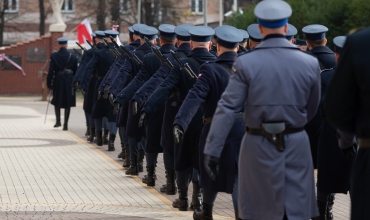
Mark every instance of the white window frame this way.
pixel 196 11
pixel 65 9
pixel 10 5
pixel 128 5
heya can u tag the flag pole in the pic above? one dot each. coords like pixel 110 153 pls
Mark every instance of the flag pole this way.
pixel 138 11
pixel 205 12
pixel 221 13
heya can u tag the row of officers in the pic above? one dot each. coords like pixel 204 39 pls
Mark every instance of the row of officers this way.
pixel 227 119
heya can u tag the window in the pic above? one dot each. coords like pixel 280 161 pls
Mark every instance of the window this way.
pixel 68 6
pixel 197 6
pixel 124 6
pixel 11 6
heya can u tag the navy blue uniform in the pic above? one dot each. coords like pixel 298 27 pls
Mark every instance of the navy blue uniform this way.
pixel 186 153
pixel 326 60
pixel 150 66
pixel 333 168
pixel 207 91
pixel 61 83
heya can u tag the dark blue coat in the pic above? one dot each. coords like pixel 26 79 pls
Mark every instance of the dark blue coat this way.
pixel 150 65
pixel 326 59
pixel 207 91
pixel 102 61
pixel 186 154
pixel 126 74
pixel 333 174
pixel 61 84
pixel 172 105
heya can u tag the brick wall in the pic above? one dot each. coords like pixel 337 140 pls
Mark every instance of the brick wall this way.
pixel 12 81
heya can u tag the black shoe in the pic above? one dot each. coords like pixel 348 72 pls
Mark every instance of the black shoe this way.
pixel 92 135
pixel 205 214
pixel 57 116
pixel 126 161
pixel 65 127
pixel 170 187
pixel 132 170
pixel 122 154
pixel 66 118
pixel 111 147
pixel 99 140
pixel 182 202
pixel 87 133
pixel 105 137
pixel 58 124
pixel 151 177
pixel 196 198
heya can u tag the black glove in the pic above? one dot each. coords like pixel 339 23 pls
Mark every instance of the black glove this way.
pixel 211 165
pixel 106 89
pixel 111 99
pixel 143 119
pixel 134 107
pixel 350 152
pixel 178 133
pixel 116 108
pixel 100 94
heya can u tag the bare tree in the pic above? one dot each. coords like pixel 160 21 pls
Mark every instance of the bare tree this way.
pixel 4 6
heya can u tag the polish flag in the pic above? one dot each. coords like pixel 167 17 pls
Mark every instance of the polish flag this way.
pixel 114 27
pixel 84 31
pixel 3 57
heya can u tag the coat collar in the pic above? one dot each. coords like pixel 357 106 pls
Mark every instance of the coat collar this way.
pixel 143 47
pixel 63 50
pixel 185 47
pixel 167 47
pixel 136 43
pixel 321 49
pixel 226 57
pixel 201 53
pixel 274 41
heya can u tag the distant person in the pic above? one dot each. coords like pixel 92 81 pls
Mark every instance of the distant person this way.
pixel 255 37
pixel 347 106
pixel 62 68
pixel 301 44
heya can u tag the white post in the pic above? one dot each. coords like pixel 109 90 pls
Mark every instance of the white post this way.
pixel 205 2
pixel 221 12
pixel 235 6
pixel 138 11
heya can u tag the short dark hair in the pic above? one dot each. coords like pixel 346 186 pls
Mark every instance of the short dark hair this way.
pixel 166 40
pixel 316 43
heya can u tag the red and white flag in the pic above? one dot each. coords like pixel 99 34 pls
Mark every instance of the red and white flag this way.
pixel 84 31
pixel 3 57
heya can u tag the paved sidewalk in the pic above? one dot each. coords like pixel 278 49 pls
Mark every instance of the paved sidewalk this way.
pixel 47 173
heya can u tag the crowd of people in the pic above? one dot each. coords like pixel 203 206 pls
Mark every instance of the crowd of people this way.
pixel 248 112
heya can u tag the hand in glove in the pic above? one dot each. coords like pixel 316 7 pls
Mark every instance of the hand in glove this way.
pixel 111 99
pixel 350 152
pixel 134 107
pixel 100 94
pixel 143 119
pixel 106 89
pixel 178 133
pixel 211 165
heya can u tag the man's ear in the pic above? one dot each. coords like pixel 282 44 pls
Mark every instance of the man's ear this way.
pixel 260 28
pixel 191 45
pixel 325 41
pixel 210 45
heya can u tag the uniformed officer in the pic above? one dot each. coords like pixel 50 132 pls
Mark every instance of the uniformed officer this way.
pixel 280 88
pixel 347 107
pixel 333 174
pixel 212 81
pixel 255 37
pixel 63 65
pixel 316 41
pixel 244 43
pixel 172 105
pixel 130 69
pixel 292 31
pixel 101 108
pixel 151 64
pixel 186 153
pixel 301 44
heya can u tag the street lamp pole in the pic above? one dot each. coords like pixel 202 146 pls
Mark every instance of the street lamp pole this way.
pixel 221 12
pixel 205 12
pixel 138 11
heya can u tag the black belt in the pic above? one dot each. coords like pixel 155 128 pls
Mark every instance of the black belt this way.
pixel 258 131
pixel 209 119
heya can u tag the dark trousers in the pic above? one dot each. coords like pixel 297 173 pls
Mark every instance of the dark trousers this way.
pixel 123 136
pixel 87 118
pixel 169 160
pixel 91 120
pixel 209 196
pixel 151 159
pixel 185 176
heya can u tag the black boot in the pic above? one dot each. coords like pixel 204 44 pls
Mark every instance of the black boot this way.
pixel 126 162
pixel 122 154
pixel 151 177
pixel 92 135
pixel 236 214
pixel 99 138
pixel 170 187
pixel 132 170
pixel 105 137
pixel 87 133
pixel 111 147
pixel 182 202
pixel 329 207
pixel 66 118
pixel 140 160
pixel 206 214
pixel 57 116
pixel 196 198
pixel 322 209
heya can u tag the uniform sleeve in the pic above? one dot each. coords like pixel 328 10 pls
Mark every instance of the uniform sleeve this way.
pixel 121 77
pixel 314 98
pixel 93 63
pixel 151 85
pixel 163 92
pixel 129 91
pixel 341 103
pixel 232 100
pixel 105 79
pixel 78 70
pixel 50 76
pixel 195 97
